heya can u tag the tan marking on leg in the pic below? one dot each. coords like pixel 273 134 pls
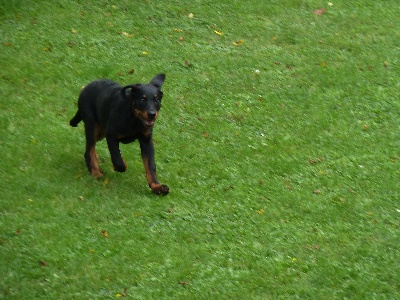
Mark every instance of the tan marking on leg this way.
pixel 148 174
pixel 94 161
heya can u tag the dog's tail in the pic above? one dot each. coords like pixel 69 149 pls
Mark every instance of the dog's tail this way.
pixel 76 119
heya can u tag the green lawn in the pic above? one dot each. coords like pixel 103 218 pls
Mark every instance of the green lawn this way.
pixel 279 138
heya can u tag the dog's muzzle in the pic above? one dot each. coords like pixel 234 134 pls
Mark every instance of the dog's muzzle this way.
pixel 148 118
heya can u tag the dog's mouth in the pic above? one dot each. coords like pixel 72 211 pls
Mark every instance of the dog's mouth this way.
pixel 144 118
pixel 148 123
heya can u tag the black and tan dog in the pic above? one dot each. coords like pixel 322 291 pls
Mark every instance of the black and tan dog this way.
pixel 121 115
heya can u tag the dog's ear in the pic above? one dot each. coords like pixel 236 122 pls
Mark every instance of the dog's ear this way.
pixel 158 81
pixel 160 94
pixel 132 87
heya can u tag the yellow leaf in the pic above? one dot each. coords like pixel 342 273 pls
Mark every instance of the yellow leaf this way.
pixel 261 211
pixel 239 42
pixel 126 34
pixel 145 53
pixel 218 32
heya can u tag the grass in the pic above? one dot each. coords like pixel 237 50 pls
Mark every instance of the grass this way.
pixel 278 137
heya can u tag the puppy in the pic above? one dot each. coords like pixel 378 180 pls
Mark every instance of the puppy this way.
pixel 121 115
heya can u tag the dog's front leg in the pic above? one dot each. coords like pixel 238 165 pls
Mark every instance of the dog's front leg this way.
pixel 147 150
pixel 116 158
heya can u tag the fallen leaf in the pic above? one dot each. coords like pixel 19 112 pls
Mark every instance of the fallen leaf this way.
pixel 43 263
pixel 104 233
pixel 239 42
pixel 181 39
pixel 261 211
pixel 218 32
pixel 188 64
pixel 320 11
pixel 74 31
pixel 191 16
pixel 126 34
pixel 131 71
pixel 183 282
pixel 6 44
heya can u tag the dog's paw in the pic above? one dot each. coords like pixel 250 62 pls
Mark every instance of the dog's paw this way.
pixel 96 173
pixel 120 167
pixel 160 189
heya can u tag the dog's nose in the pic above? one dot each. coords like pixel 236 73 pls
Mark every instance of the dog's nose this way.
pixel 151 114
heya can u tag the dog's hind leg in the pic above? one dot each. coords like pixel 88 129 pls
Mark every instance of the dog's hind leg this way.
pixel 91 158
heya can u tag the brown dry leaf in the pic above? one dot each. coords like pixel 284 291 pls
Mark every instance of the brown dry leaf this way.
pixel 104 233
pixel 239 42
pixel 320 12
pixel 43 263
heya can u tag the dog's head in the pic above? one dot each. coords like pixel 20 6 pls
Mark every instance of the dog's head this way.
pixel 146 99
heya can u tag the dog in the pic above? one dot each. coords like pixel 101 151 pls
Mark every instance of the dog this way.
pixel 121 115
